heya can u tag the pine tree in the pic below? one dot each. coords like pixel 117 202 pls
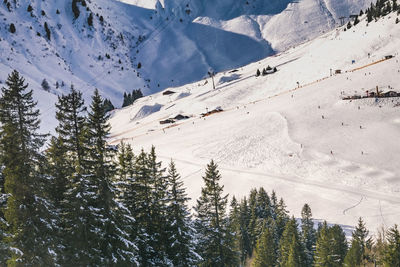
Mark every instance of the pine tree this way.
pixel 90 20
pixel 71 116
pixel 356 21
pixel 180 233
pixel 109 215
pixel 29 214
pixel 48 32
pixel 125 101
pixel 260 212
pixel 377 11
pixel 245 246
pixel 369 15
pixel 360 245
pixel 75 8
pixel 215 240
pixel 234 223
pixel 331 246
pixel 126 163
pixel 391 255
pixel 308 233
pixel 66 156
pixel 45 85
pixel 354 255
pixel 94 219
pixel 338 244
pixel 141 208
pixel 388 8
pixel 265 253
pixel 282 217
pixel 158 208
pixel 12 28
pixel 58 169
pixel 81 242
pixel 131 97
pixel 3 224
pixel 263 206
pixel 291 250
pixel 274 205
pixel 108 105
pixel 253 220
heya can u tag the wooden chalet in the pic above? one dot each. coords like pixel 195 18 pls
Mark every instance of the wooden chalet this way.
pixel 167 121
pixel 181 117
pixel 168 92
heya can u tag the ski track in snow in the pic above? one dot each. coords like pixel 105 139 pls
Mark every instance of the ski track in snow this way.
pixel 279 134
pixel 359 202
pixel 383 218
pixel 297 180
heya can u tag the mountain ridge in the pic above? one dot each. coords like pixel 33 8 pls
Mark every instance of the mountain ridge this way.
pixel 131 47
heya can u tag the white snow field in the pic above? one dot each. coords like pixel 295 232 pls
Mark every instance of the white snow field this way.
pixel 171 39
pixel 291 131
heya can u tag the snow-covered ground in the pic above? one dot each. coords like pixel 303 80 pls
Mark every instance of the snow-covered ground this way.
pixel 291 131
pixel 175 41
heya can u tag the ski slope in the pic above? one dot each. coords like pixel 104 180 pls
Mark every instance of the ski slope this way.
pixel 175 41
pixel 291 131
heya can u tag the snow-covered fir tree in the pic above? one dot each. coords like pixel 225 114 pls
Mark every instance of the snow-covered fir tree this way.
pixel 158 208
pixel 266 249
pixel 29 214
pixel 360 245
pixel 180 232
pixel 308 233
pixel 109 215
pixel 391 256
pixel 291 250
pixel 67 160
pixel 215 244
pixel 331 246
pixel 141 189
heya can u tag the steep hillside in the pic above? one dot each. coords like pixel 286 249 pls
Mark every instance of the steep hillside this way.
pixel 72 51
pixel 76 51
pixel 290 130
pixel 119 46
pixel 163 39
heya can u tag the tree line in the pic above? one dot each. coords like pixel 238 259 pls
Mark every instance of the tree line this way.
pixel 83 202
pixel 382 8
pixel 129 98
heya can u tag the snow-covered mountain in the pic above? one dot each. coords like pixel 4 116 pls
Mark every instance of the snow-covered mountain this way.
pixel 290 130
pixel 174 41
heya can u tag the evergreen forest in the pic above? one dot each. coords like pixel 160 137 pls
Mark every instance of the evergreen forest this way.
pixel 72 199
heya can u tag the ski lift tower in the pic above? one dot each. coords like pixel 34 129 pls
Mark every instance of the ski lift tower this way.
pixel 211 73
pixel 342 20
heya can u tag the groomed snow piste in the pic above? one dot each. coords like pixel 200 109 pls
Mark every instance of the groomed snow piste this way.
pixel 291 131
